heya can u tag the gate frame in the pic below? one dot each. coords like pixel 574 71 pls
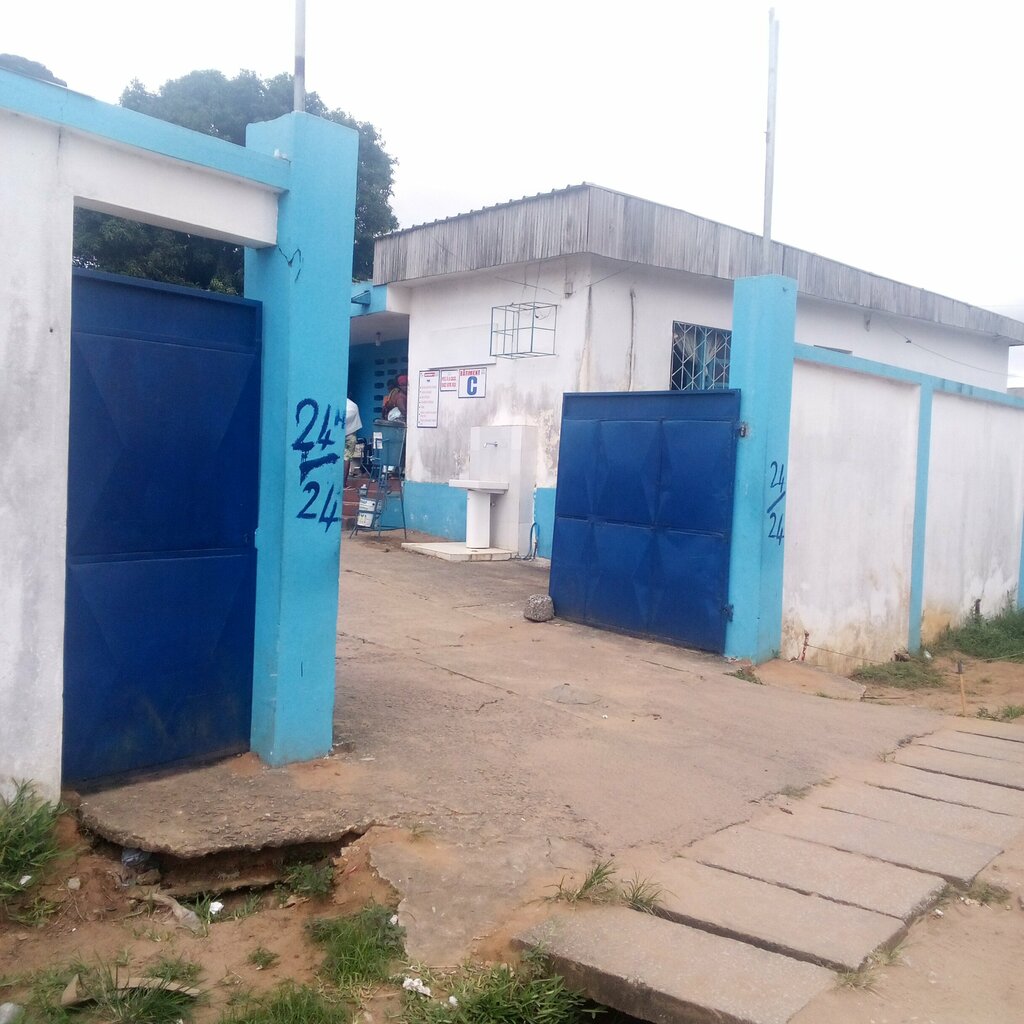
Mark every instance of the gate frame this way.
pixel 289 196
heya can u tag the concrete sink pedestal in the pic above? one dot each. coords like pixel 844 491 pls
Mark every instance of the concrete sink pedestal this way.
pixel 478 509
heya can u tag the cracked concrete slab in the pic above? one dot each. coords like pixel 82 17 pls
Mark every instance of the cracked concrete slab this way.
pixel 974 743
pixel 961 765
pixel 666 973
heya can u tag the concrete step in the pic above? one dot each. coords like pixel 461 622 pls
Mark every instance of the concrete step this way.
pixel 820 870
pixel 664 972
pixel 956 860
pixel 973 743
pixel 780 920
pixel 931 815
pixel 796 675
pixel 963 766
pixel 1013 731
pixel 943 787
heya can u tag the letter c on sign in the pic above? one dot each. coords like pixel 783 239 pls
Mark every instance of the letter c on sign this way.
pixel 471 385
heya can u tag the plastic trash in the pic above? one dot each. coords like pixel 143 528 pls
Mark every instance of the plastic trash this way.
pixel 10 1012
pixel 415 985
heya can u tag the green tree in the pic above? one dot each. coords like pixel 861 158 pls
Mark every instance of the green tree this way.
pixel 209 102
pixel 29 68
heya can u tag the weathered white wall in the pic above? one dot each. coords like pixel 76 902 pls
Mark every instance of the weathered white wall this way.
pixel 940 351
pixel 975 506
pixel 849 515
pixel 43 171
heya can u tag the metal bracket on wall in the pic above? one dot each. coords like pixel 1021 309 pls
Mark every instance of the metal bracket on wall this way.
pixel 742 430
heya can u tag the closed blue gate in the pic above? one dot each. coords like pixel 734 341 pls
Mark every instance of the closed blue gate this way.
pixel 643 513
pixel 162 503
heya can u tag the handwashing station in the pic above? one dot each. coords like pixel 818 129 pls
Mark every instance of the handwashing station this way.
pixel 499 487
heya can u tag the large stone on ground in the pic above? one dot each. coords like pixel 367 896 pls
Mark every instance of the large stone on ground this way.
pixel 962 766
pixel 539 608
pixel 810 868
pixel 781 920
pixel 972 743
pixel 956 860
pixel 931 815
pixel 942 787
pixel 664 972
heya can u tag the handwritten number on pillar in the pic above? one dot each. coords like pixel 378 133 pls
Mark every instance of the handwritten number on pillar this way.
pixel 776 510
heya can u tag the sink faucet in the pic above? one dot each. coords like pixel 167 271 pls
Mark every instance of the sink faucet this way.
pixel 490 444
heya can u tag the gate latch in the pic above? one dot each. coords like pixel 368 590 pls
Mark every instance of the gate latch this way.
pixel 727 612
pixel 742 430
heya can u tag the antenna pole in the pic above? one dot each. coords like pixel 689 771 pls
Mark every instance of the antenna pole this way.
pixel 299 96
pixel 769 139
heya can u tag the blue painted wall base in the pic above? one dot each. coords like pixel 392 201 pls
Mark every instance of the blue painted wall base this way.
pixel 544 517
pixel 436 509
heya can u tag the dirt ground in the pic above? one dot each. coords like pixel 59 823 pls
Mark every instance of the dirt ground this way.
pixel 487 758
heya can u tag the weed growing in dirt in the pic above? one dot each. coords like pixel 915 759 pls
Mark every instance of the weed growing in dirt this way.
pixel 34 914
pixel 252 904
pixel 913 674
pixel 747 674
pixel 28 840
pixel 359 950
pixel 642 894
pixel 863 980
pixel 107 1004
pixel 310 880
pixel 1007 713
pixel 987 892
pixel 598 886
pixel 174 968
pixel 261 958
pixel 501 994
pixel 1000 638
pixel 288 1004
pixel 888 957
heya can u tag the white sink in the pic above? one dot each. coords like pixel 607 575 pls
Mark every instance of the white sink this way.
pixel 478 508
pixel 485 486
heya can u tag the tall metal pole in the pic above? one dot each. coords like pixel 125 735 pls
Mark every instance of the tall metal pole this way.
pixel 299 96
pixel 769 139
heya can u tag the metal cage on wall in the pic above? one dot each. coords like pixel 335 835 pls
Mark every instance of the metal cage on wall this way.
pixel 700 357
pixel 523 329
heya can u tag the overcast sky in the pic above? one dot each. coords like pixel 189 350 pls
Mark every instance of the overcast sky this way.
pixel 899 146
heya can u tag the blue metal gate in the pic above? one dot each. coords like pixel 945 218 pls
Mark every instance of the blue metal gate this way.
pixel 162 503
pixel 643 513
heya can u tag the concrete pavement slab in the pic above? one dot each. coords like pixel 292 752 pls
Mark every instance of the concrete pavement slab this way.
pixel 941 787
pixel 972 743
pixel 664 972
pixel 963 766
pixel 811 868
pixel 804 678
pixel 956 860
pixel 931 815
pixel 804 927
pixel 1004 730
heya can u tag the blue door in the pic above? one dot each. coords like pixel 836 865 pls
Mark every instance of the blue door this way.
pixel 162 503
pixel 643 513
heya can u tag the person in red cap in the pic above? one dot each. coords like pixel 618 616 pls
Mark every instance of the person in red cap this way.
pixel 396 401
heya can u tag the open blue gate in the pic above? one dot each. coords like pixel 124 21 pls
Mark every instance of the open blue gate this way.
pixel 643 513
pixel 162 503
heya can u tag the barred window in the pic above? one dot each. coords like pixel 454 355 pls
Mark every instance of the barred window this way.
pixel 700 357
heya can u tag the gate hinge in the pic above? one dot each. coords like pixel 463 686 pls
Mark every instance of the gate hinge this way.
pixel 727 612
pixel 742 430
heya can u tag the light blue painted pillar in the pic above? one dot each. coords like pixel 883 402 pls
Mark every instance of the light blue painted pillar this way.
pixel 304 284
pixel 924 447
pixel 761 366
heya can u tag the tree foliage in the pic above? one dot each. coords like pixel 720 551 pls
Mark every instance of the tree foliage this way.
pixel 29 68
pixel 209 102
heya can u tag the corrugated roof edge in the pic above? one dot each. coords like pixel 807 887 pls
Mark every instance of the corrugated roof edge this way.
pixel 975 318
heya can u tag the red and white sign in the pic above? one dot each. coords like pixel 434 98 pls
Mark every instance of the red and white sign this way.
pixel 450 380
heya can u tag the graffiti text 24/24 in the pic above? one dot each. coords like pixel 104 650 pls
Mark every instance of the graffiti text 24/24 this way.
pixel 307 416
pixel 776 510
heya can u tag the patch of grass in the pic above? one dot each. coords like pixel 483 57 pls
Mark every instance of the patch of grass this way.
pixel 598 886
pixel 1007 713
pixel 359 950
pixel 174 968
pixel 987 892
pixel 912 674
pixel 288 1004
pixel 863 980
pixel 311 880
pixel 501 995
pixel 28 840
pixel 252 904
pixel 34 914
pixel 642 894
pixel 261 958
pixel 1000 638
pixel 747 674
pixel 888 957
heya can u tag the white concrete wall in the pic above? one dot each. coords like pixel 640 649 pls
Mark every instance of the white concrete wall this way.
pixel 849 515
pixel 932 349
pixel 975 506
pixel 43 171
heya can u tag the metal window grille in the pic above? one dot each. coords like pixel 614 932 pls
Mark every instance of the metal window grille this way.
pixel 700 357
pixel 523 329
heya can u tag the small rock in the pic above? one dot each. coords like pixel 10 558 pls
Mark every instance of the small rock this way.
pixel 10 1012
pixel 539 608
pixel 74 884
pixel 150 877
